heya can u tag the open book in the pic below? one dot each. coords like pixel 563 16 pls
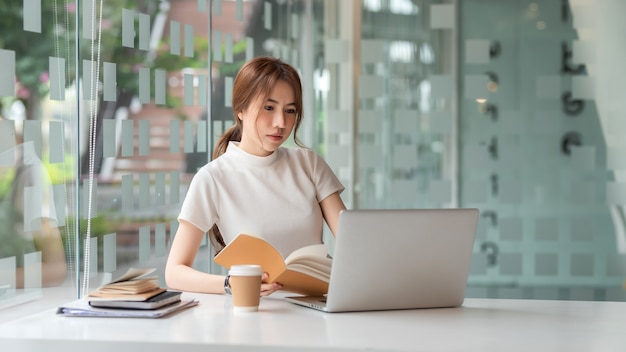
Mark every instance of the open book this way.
pixel 305 271
pixel 134 285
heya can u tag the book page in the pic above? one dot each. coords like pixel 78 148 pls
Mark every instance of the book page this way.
pixel 320 273
pixel 125 296
pixel 319 264
pixel 312 260
pixel 314 252
pixel 132 286
pixel 134 282
pixel 134 273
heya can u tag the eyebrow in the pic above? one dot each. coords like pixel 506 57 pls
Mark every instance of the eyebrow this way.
pixel 276 102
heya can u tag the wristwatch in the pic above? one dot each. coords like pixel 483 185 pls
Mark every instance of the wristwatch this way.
pixel 227 285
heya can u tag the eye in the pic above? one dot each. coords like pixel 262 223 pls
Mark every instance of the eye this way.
pixel 290 111
pixel 268 108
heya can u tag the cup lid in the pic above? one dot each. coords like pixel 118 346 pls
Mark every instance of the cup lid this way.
pixel 245 270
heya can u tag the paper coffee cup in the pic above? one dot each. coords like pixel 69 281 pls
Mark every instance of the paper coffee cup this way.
pixel 245 283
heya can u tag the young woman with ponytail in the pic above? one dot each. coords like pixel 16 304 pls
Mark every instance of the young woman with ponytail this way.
pixel 254 185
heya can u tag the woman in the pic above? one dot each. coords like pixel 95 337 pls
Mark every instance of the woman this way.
pixel 253 185
pixel 24 229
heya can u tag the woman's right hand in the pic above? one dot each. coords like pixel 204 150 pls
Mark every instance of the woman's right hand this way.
pixel 269 288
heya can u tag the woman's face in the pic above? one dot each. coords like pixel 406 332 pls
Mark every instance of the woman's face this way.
pixel 267 124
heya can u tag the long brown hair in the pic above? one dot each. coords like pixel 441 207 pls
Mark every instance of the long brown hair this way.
pixel 255 80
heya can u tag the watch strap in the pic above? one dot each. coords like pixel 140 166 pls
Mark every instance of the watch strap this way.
pixel 227 285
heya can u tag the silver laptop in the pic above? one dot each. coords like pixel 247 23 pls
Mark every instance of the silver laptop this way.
pixel 398 259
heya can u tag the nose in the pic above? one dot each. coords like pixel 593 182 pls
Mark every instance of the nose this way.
pixel 279 120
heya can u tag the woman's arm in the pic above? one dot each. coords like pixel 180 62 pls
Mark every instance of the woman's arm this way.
pixel 54 264
pixel 48 241
pixel 331 207
pixel 179 273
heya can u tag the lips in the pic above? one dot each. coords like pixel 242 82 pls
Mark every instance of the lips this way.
pixel 275 137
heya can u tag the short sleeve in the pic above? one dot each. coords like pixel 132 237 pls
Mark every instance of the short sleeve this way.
pixel 325 180
pixel 198 207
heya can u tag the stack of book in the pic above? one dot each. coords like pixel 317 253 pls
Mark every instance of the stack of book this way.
pixel 134 294
pixel 134 290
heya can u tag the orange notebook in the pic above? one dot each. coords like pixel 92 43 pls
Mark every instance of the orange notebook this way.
pixel 305 271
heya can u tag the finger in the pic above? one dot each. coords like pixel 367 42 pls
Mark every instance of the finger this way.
pixel 268 289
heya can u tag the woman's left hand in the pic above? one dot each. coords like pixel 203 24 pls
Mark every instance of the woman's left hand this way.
pixel 269 288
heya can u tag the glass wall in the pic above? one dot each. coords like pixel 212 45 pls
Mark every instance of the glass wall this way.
pixel 109 107
pixel 541 152
pixel 39 150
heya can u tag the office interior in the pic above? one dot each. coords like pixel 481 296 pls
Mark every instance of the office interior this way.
pixel 514 107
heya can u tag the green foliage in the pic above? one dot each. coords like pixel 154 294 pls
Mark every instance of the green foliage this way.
pixel 99 226
pixel 32 50
pixel 57 39
pixel 61 172
pixel 12 243
pixel 6 181
pixel 231 69
pixel 58 172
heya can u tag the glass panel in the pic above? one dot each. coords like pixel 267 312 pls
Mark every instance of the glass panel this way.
pixel 143 128
pixel 406 141
pixel 539 147
pixel 38 152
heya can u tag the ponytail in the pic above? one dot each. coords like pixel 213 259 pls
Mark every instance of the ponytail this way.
pixel 216 239
pixel 231 134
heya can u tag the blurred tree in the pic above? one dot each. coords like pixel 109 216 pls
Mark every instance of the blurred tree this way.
pixel 32 50
pixel 58 39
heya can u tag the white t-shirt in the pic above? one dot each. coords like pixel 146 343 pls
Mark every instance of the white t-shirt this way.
pixel 31 194
pixel 29 200
pixel 275 197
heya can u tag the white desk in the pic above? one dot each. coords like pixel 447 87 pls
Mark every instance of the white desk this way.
pixel 480 325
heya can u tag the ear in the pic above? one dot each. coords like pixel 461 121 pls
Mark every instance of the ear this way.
pixel 239 115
